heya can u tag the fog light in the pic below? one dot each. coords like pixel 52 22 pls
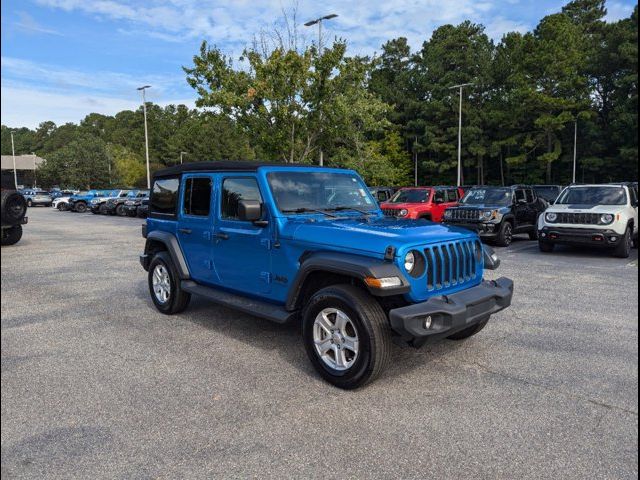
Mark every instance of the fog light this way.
pixel 613 239
pixel 428 322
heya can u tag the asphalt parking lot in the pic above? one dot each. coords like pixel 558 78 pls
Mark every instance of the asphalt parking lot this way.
pixel 96 383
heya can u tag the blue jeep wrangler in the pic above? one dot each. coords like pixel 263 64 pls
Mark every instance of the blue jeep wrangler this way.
pixel 306 243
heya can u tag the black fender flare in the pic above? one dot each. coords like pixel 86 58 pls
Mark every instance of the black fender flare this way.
pixel 351 265
pixel 170 241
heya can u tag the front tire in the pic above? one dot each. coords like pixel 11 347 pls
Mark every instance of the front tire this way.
pixel 623 250
pixel 546 247
pixel 11 235
pixel 469 331
pixel 346 335
pixel 80 207
pixel 505 235
pixel 62 206
pixel 103 209
pixel 120 211
pixel 164 286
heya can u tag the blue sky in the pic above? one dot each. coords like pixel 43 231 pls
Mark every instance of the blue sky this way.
pixel 62 59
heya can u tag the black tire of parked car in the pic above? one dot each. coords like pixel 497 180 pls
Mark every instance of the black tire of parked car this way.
pixel 546 247
pixel 103 209
pixel 95 211
pixel 178 299
pixel 80 207
pixel 130 213
pixel 623 250
pixel 11 235
pixel 13 207
pixel 373 329
pixel 469 332
pixel 120 210
pixel 140 213
pixel 63 206
pixel 505 235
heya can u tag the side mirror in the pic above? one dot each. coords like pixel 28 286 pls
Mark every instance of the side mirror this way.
pixel 491 260
pixel 249 210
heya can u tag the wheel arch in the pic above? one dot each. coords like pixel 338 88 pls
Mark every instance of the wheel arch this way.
pixel 158 241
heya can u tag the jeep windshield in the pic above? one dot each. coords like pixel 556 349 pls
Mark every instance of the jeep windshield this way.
pixel 488 196
pixel 411 195
pixel 593 196
pixel 319 192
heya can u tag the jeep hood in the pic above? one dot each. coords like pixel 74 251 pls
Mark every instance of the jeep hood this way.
pixel 373 235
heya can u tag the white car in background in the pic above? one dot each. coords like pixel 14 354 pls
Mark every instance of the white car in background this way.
pixel 61 203
pixel 604 216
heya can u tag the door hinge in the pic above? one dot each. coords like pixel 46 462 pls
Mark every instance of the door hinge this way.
pixel 208 264
pixel 266 277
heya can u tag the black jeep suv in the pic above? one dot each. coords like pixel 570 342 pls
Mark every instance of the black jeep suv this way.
pixel 498 213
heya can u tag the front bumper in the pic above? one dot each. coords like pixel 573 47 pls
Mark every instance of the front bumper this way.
pixel 580 236
pixel 451 313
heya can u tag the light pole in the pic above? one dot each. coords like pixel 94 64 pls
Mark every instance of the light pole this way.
pixel 309 24
pixel 146 134
pixel 182 153
pixel 13 154
pixel 460 131
pixel 575 149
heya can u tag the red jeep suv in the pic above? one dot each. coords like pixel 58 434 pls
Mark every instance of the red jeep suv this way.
pixel 422 202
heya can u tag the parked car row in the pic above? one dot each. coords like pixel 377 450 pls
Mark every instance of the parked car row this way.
pixel 121 202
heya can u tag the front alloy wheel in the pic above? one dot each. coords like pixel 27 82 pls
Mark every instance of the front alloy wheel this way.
pixel 336 339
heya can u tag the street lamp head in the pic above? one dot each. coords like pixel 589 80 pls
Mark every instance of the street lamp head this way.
pixel 330 16
pixel 318 20
pixel 462 85
pixel 146 86
pixel 311 22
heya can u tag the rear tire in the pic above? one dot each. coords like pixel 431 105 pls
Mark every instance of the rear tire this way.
pixel 13 207
pixel 80 207
pixel 546 247
pixel 505 235
pixel 120 211
pixel 623 250
pixel 469 332
pixel 11 235
pixel 355 350
pixel 164 286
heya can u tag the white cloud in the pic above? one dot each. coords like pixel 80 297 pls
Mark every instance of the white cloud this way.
pixel 28 24
pixel 29 107
pixel 499 26
pixel 617 11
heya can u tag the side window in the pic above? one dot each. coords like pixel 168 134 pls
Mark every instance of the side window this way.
pixel 197 196
pixel 529 196
pixel 520 195
pixel 439 196
pixel 164 196
pixel 452 196
pixel 234 190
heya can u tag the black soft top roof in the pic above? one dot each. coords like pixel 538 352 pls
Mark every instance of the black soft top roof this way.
pixel 221 166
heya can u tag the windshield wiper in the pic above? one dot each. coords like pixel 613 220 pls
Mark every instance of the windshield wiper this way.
pixel 359 210
pixel 309 210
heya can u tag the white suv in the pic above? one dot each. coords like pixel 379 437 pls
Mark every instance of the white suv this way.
pixel 598 215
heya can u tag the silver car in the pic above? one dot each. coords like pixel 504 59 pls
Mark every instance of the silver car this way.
pixel 37 197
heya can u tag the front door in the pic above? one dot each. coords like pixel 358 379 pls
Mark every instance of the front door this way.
pixel 242 250
pixel 521 209
pixel 195 226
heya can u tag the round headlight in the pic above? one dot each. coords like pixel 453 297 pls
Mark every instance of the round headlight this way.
pixel 552 217
pixel 403 213
pixel 409 261
pixel 606 219
pixel 487 214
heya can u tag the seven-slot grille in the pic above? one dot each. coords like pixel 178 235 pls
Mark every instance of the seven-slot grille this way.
pixel 578 218
pixel 390 212
pixel 451 263
pixel 465 214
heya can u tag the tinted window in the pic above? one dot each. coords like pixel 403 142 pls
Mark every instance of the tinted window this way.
pixel 488 196
pixel 440 196
pixel 593 196
pixel 234 190
pixel 520 195
pixel 382 196
pixel 411 195
pixel 529 196
pixel 197 196
pixel 164 196
pixel 452 196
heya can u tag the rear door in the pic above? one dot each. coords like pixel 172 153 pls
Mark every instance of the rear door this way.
pixel 195 225
pixel 521 209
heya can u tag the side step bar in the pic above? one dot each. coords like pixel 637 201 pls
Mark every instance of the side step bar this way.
pixel 272 312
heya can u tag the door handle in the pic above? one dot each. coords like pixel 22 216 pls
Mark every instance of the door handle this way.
pixel 186 231
pixel 221 236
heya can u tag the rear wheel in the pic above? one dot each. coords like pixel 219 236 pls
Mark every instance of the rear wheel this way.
pixel 623 250
pixel 505 235
pixel 346 336
pixel 11 235
pixel 120 210
pixel 80 207
pixel 164 285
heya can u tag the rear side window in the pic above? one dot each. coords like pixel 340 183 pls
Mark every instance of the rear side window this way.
pixel 164 196
pixel 234 190
pixel 197 196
